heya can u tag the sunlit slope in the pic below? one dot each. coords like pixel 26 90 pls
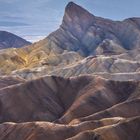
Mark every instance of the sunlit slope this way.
pixel 33 56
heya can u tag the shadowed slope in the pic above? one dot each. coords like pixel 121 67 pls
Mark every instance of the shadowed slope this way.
pixel 125 130
pixel 51 98
pixel 43 99
pixel 6 81
pixel 65 101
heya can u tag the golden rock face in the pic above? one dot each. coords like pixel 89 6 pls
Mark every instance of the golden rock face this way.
pixel 35 56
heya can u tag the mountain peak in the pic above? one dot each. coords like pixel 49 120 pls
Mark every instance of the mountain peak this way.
pixel 74 9
pixel 76 15
pixel 71 5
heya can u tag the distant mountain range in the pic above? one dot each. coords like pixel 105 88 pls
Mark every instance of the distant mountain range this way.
pixel 82 82
pixel 9 40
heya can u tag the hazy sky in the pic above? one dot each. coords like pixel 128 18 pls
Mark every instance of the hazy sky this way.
pixel 34 19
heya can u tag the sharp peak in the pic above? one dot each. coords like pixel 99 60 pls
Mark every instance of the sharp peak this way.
pixel 70 4
pixel 75 8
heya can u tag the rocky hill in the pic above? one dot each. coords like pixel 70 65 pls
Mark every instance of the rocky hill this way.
pixel 113 44
pixel 83 32
pixel 82 82
pixel 83 107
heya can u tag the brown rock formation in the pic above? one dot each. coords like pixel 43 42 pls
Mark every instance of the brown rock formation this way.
pixel 56 93
pixel 51 131
pixel 67 100
pixel 77 38
pixel 125 130
pixel 82 82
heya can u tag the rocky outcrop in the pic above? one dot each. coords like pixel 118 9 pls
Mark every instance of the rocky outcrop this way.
pixel 73 41
pixel 82 32
pixel 81 82
pixel 109 47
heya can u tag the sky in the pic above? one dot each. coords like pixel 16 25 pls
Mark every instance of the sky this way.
pixel 35 19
